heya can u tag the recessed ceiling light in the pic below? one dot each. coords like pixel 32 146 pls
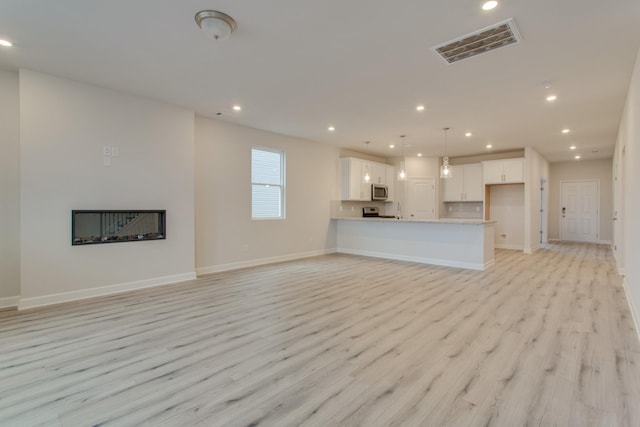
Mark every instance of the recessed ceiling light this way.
pixel 468 134
pixel 331 128
pixel 551 98
pixel 420 108
pixel 489 5
pixel 237 107
pixel 5 43
pixel 392 146
pixel 573 147
pixel 489 146
pixel 419 154
pixel 566 130
pixel 577 157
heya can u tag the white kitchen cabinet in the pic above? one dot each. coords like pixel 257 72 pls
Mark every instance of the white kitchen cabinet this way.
pixel 506 171
pixel 352 185
pixel 378 173
pixel 390 173
pixel 465 184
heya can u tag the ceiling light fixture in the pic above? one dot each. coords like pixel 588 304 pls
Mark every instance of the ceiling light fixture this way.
pixel 489 146
pixel 5 43
pixel 445 169
pixel 468 134
pixel 573 147
pixel 237 107
pixel 216 25
pixel 566 130
pixel 577 157
pixel 489 5
pixel 331 128
pixel 420 108
pixel 551 98
pixel 419 154
pixel 392 146
pixel 402 173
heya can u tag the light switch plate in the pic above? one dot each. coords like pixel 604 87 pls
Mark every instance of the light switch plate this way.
pixel 106 161
pixel 115 152
pixel 106 150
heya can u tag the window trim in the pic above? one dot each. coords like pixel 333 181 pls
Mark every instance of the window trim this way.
pixel 282 185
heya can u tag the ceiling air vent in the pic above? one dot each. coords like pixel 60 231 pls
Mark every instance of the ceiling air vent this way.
pixel 485 40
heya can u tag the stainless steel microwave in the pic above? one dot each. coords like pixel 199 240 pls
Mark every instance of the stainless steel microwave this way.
pixel 379 192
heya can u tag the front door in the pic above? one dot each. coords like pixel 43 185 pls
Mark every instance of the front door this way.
pixel 579 201
pixel 422 198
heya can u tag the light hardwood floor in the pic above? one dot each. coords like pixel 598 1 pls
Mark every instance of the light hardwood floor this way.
pixel 544 339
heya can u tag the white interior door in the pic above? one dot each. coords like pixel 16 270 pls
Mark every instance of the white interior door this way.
pixel 579 201
pixel 422 198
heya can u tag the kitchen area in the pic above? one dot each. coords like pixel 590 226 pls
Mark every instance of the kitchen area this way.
pixel 456 221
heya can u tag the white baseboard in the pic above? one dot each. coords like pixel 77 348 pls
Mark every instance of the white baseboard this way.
pixel 604 242
pixel 432 261
pixel 634 313
pixel 25 303
pixel 260 261
pixel 509 246
pixel 10 302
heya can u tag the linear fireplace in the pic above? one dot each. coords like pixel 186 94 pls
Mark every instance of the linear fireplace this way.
pixel 90 227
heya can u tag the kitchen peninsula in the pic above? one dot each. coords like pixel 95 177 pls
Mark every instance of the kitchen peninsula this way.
pixel 462 243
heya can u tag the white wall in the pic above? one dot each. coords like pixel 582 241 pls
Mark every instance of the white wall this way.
pixel 226 236
pixel 582 170
pixel 507 209
pixel 536 168
pixel 9 190
pixel 63 128
pixel 629 142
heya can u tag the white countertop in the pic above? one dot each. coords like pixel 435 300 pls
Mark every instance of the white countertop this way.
pixel 431 221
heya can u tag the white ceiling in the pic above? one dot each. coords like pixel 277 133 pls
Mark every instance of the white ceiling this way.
pixel 297 67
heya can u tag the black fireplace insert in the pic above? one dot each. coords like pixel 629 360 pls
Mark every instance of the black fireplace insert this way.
pixel 90 227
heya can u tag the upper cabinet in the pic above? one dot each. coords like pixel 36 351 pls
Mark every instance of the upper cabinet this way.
pixel 353 185
pixel 506 171
pixel 465 184
pixel 390 173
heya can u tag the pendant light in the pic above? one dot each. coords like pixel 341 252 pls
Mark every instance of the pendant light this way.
pixel 402 173
pixel 367 174
pixel 445 169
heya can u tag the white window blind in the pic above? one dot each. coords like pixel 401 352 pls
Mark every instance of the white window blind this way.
pixel 267 183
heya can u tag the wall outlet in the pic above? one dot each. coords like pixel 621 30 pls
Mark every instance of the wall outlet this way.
pixel 115 152
pixel 106 150
pixel 106 161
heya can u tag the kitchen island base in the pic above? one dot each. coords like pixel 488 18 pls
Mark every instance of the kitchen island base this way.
pixel 453 243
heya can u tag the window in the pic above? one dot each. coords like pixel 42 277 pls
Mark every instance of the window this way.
pixel 267 183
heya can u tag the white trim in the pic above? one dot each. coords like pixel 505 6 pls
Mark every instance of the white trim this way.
pixel 509 246
pixel 604 242
pixel 25 303
pixel 432 261
pixel 9 302
pixel 260 261
pixel 634 313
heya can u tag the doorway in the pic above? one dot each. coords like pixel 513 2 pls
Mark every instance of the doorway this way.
pixel 579 202
pixel 422 198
